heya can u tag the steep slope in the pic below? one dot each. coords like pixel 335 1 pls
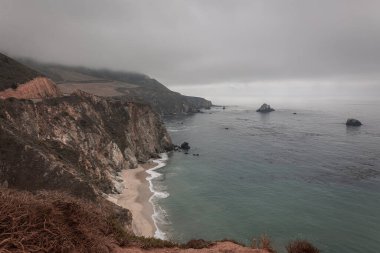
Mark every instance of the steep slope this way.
pixel 19 81
pixel 13 73
pixel 124 86
pixel 76 143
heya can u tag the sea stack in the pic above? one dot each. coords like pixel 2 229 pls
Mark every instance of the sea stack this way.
pixel 265 108
pixel 353 122
pixel 185 146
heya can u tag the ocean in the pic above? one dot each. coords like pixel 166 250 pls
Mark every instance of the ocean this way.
pixel 288 176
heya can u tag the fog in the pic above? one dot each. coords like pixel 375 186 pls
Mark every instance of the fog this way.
pixel 228 51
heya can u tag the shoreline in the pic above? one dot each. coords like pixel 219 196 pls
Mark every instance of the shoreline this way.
pixel 138 194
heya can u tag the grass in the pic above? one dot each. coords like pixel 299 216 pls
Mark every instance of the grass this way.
pixel 264 243
pixel 49 221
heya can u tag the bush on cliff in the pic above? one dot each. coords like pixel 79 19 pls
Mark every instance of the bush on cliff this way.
pixel 301 246
pixel 52 222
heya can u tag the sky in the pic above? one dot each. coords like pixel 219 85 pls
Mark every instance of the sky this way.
pixel 224 50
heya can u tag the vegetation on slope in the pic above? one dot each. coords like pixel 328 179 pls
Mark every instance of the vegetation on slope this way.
pixel 132 86
pixel 13 73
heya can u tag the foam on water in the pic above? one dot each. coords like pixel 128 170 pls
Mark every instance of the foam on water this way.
pixel 159 213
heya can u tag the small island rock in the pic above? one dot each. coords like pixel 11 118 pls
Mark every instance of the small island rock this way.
pixel 185 146
pixel 353 122
pixel 265 108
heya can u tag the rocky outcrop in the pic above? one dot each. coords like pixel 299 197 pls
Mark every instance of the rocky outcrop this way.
pixel 265 108
pixel 76 143
pixel 185 146
pixel 39 87
pixel 353 122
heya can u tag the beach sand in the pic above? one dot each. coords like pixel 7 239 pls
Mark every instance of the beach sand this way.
pixel 135 197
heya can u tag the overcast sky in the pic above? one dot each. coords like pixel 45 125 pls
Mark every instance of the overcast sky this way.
pixel 213 48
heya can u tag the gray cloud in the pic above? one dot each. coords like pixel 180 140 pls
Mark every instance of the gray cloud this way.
pixel 205 41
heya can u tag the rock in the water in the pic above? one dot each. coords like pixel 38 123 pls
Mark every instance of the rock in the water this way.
pixel 353 122
pixel 185 146
pixel 265 108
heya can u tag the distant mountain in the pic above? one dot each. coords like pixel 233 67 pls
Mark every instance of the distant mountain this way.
pixel 20 81
pixel 123 86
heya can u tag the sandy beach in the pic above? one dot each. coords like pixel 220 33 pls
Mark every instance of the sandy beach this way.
pixel 135 197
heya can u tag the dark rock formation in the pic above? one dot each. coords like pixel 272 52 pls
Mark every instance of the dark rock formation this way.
pixel 265 108
pixel 353 122
pixel 76 143
pixel 185 146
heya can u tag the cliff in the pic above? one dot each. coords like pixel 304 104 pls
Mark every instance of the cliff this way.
pixel 122 86
pixel 76 143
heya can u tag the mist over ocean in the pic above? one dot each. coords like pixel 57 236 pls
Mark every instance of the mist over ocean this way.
pixel 290 176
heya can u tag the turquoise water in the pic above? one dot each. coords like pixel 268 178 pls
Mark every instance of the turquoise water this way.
pixel 288 176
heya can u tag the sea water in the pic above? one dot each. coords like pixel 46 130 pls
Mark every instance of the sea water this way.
pixel 289 176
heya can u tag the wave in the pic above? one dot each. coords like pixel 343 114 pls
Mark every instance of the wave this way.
pixel 158 212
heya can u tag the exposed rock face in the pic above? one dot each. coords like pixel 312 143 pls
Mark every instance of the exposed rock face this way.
pixel 76 143
pixel 353 122
pixel 39 87
pixel 265 108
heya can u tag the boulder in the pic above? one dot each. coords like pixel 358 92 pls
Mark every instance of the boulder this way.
pixel 185 146
pixel 265 108
pixel 353 122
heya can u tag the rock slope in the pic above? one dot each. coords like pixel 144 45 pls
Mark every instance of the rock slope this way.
pixel 76 143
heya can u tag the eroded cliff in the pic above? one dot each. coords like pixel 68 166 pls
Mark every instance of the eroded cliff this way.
pixel 39 87
pixel 76 143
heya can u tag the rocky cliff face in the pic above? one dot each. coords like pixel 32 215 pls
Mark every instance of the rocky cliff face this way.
pixel 76 143
pixel 39 87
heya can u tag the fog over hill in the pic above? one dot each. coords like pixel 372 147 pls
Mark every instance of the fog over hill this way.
pixel 285 48
pixel 120 85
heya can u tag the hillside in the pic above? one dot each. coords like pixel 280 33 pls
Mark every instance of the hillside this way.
pixel 13 73
pixel 19 81
pixel 122 86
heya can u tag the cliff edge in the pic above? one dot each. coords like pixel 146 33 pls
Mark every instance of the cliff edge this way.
pixel 76 143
